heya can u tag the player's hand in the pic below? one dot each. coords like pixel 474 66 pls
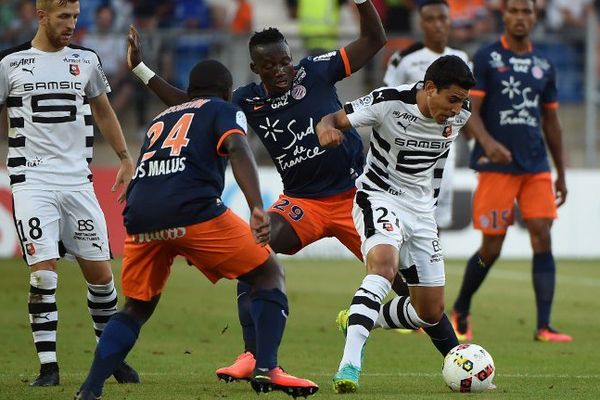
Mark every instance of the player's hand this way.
pixel 497 153
pixel 260 226
pixel 124 176
pixel 560 188
pixel 134 48
pixel 329 136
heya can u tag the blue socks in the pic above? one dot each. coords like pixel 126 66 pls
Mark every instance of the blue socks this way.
pixel 544 280
pixel 116 341
pixel 269 311
pixel 245 316
pixel 442 335
pixel 475 273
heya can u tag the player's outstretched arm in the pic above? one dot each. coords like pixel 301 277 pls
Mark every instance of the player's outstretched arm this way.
pixel 495 151
pixel 329 129
pixel 169 94
pixel 553 134
pixel 246 175
pixel 372 36
pixel 109 126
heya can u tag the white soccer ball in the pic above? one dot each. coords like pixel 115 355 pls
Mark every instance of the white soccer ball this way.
pixel 468 368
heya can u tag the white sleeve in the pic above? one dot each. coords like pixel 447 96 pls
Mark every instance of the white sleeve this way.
pixel 4 85
pixel 364 111
pixel 98 83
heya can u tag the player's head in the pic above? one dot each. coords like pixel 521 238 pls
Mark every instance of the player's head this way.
pixel 57 20
pixel 272 60
pixel 447 83
pixel 519 17
pixel 435 21
pixel 210 78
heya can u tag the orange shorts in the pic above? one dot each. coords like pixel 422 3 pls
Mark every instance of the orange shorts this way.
pixel 494 199
pixel 314 219
pixel 222 247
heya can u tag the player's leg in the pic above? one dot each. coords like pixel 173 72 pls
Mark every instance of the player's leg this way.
pixel 146 267
pixel 381 237
pixel 102 305
pixel 36 218
pixel 426 278
pixel 85 236
pixel 492 214
pixel 291 229
pixel 341 226
pixel 536 201
pixel 235 255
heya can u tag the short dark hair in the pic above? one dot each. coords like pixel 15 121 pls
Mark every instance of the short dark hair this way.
pixel 505 2
pixel 209 78
pixel 423 3
pixel 266 36
pixel 450 70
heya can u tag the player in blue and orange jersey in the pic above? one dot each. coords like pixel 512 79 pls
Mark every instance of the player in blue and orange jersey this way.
pixel 181 173
pixel 283 111
pixel 515 99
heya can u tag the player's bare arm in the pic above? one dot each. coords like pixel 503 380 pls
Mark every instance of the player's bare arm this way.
pixel 372 37
pixel 246 175
pixel 553 133
pixel 495 151
pixel 109 126
pixel 329 129
pixel 168 94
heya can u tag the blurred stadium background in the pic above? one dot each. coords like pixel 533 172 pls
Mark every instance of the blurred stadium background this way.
pixel 177 33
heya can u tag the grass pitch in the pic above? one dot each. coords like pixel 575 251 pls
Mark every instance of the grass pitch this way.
pixel 195 330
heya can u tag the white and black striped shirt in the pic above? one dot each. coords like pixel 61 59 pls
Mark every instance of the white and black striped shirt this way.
pixel 407 150
pixel 51 134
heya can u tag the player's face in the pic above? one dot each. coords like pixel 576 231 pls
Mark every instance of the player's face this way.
pixel 444 103
pixel 519 17
pixel 435 23
pixel 59 23
pixel 273 63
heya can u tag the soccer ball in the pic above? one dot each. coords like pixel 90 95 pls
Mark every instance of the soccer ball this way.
pixel 468 368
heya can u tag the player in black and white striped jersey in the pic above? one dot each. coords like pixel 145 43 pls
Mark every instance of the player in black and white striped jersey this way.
pixel 413 129
pixel 409 66
pixel 53 92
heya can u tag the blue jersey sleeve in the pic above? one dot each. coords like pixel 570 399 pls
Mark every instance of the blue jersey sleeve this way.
pixel 550 92
pixel 229 119
pixel 332 67
pixel 480 72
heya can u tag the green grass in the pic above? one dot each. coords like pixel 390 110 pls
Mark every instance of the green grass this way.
pixel 195 330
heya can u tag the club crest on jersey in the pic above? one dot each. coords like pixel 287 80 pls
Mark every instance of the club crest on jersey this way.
pixel 30 248
pixel 447 132
pixel 298 92
pixel 388 227
pixel 74 69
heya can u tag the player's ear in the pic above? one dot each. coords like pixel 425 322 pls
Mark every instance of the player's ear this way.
pixel 253 67
pixel 41 16
pixel 430 88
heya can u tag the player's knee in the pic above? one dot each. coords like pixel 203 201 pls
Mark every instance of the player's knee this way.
pixel 430 314
pixel 541 241
pixel 140 310
pixel 383 262
pixel 269 275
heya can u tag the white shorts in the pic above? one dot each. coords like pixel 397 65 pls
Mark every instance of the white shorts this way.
pixel 445 200
pixel 70 220
pixel 381 219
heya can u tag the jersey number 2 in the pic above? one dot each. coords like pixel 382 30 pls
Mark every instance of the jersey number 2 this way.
pixel 176 140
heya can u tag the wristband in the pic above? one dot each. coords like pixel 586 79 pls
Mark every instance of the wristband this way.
pixel 359 1
pixel 143 72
